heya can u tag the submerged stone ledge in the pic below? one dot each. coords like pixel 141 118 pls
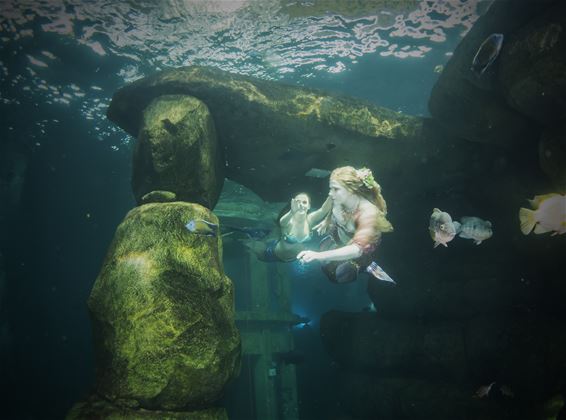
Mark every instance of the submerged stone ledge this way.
pixel 210 85
pixel 269 130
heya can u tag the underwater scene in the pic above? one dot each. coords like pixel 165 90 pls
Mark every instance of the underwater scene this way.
pixel 283 209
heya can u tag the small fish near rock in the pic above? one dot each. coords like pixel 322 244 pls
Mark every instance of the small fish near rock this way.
pixel 494 390
pixel 159 196
pixel 251 233
pixel 441 227
pixel 486 54
pixel 548 214
pixel 475 229
pixel 202 227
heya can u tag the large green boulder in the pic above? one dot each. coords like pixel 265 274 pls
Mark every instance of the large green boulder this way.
pixel 177 151
pixel 162 312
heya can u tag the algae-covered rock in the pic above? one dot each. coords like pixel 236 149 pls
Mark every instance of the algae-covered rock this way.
pixel 217 88
pixel 271 133
pixel 163 313
pixel 95 408
pixel 177 151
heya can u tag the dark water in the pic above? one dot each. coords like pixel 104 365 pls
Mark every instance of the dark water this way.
pixel 61 62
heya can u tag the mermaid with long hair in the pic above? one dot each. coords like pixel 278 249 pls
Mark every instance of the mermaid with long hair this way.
pixel 353 227
pixel 296 230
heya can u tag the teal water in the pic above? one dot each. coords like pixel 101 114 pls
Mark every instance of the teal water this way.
pixel 61 62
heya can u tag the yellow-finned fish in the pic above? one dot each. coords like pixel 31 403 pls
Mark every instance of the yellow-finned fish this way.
pixel 548 215
pixel 202 227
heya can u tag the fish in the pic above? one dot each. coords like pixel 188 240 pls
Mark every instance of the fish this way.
pixel 439 68
pixel 487 53
pixel 202 227
pixel 548 215
pixel 379 273
pixel 484 390
pixel 159 196
pixel 475 228
pixel 441 227
pixel 494 390
pixel 300 321
pixel 317 173
pixel 252 233
pixel 369 308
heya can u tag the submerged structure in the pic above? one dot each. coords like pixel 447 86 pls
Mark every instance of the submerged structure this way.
pixel 196 126
pixel 263 130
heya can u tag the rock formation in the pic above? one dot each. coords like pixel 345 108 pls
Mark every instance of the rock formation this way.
pixel 163 318
pixel 271 134
pixel 177 150
pixel 519 100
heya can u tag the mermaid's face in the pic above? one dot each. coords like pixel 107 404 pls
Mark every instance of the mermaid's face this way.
pixel 338 193
pixel 303 201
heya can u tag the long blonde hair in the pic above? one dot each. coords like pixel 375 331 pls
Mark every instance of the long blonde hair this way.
pixel 350 178
pixel 361 183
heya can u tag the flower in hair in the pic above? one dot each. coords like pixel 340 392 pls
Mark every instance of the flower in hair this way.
pixel 366 177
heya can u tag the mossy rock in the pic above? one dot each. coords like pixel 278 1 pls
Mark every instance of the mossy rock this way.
pixel 271 133
pixel 162 311
pixel 176 151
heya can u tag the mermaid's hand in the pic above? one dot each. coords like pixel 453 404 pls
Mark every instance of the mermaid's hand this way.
pixel 322 227
pixel 294 205
pixel 307 256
